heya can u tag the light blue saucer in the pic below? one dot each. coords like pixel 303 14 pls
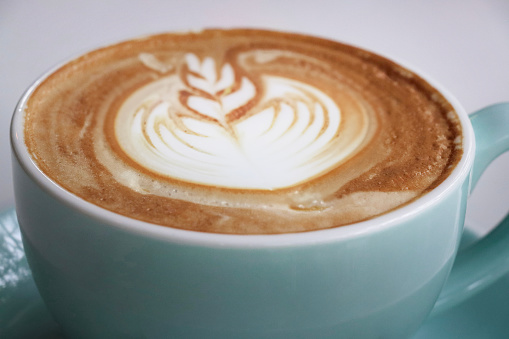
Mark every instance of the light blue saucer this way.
pixel 23 314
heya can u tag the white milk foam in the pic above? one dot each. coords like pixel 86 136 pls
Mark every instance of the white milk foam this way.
pixel 241 132
pixel 294 132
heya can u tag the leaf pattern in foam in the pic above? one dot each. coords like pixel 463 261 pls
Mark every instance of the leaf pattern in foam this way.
pixel 222 99
pixel 290 135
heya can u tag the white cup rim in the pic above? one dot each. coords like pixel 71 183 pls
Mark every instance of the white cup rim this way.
pixel 376 224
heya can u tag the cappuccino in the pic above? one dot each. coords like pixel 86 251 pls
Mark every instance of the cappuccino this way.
pixel 241 131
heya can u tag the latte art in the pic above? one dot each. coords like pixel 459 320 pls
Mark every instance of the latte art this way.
pixel 241 131
pixel 215 137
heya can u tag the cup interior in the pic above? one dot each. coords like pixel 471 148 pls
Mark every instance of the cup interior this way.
pixel 389 219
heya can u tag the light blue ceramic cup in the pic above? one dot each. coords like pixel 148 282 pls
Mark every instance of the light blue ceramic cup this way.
pixel 103 275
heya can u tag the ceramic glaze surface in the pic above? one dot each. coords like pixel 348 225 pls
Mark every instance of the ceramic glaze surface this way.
pixel 377 278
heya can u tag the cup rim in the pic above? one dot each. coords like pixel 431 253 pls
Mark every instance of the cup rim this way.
pixel 182 236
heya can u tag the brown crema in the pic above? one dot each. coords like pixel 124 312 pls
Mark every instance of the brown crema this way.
pixel 411 136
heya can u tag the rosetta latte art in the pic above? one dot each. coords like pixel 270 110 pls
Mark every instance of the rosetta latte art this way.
pixel 241 131
pixel 291 135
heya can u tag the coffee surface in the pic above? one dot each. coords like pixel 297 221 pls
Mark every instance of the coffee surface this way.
pixel 241 131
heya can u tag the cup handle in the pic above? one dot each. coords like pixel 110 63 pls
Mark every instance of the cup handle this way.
pixel 481 264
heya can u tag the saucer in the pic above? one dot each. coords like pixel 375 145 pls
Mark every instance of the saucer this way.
pixel 23 314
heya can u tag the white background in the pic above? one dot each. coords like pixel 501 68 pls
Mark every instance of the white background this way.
pixel 462 44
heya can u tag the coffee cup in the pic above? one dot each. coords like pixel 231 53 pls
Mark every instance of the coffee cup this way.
pixel 221 257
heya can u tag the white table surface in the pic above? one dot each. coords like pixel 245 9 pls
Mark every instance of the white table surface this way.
pixel 462 44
